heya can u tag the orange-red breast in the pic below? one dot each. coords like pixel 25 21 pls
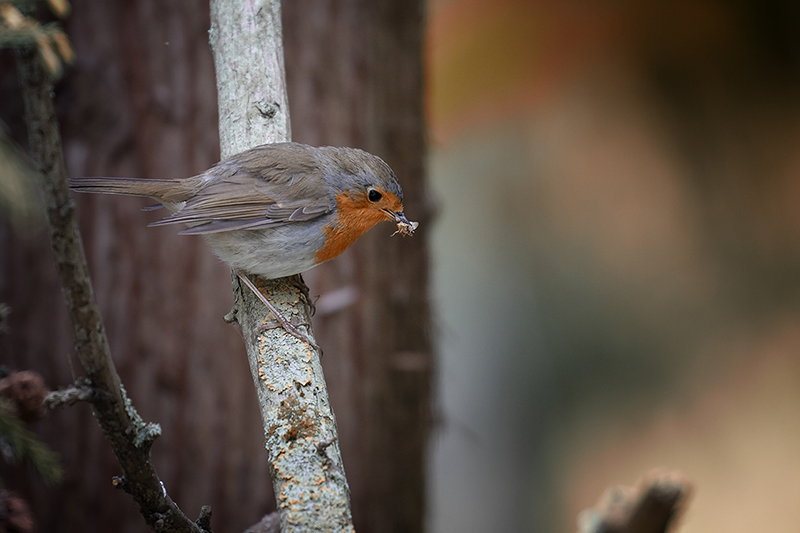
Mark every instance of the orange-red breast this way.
pixel 277 209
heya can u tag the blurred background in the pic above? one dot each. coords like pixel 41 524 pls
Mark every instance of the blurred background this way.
pixel 614 256
pixel 616 259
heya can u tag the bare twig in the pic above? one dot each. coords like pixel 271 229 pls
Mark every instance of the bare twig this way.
pixel 130 437
pixel 305 461
pixel 654 506
pixel 80 392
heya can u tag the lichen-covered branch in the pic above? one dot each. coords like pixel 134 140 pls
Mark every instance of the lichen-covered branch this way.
pixel 130 437
pixel 306 465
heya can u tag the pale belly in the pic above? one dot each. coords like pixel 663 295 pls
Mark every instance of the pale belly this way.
pixel 271 252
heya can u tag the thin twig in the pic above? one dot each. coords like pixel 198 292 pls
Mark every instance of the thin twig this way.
pixel 80 392
pixel 654 506
pixel 130 437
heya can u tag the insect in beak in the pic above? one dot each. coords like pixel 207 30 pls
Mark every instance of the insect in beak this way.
pixel 404 227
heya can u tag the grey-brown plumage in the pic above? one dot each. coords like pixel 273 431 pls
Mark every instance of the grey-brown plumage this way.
pixel 277 209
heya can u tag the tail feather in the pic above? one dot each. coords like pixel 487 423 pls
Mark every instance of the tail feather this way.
pixel 163 190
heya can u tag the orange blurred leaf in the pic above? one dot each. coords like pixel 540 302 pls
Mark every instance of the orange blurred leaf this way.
pixel 48 55
pixel 59 7
pixel 12 16
pixel 63 45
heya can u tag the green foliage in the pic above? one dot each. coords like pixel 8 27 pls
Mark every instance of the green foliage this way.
pixel 19 203
pixel 17 444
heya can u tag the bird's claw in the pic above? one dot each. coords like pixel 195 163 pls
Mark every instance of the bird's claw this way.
pixel 280 320
pixel 290 328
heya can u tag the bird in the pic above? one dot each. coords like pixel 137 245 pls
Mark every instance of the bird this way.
pixel 275 210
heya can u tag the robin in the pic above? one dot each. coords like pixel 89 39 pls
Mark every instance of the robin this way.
pixel 277 209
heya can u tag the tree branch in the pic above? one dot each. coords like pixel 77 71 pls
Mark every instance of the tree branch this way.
pixel 305 461
pixel 130 437
pixel 80 392
pixel 654 506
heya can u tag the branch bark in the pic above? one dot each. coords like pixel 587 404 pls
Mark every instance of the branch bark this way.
pixel 305 461
pixel 654 506
pixel 130 437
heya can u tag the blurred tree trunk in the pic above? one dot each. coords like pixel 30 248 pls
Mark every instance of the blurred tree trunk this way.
pixel 355 77
pixel 140 101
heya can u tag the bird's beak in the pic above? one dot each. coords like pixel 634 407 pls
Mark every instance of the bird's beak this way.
pixel 396 216
pixel 403 225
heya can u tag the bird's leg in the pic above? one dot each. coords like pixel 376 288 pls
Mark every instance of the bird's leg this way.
pixel 281 320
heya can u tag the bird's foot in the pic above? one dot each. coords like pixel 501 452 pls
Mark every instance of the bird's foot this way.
pixel 291 328
pixel 280 320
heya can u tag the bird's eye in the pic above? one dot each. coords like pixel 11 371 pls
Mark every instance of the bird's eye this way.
pixel 374 195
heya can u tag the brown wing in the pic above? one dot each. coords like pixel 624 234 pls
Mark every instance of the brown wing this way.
pixel 267 186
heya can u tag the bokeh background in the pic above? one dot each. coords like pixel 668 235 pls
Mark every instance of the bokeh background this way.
pixel 616 259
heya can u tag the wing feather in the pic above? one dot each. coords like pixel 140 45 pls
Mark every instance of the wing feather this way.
pixel 266 187
pixel 219 226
